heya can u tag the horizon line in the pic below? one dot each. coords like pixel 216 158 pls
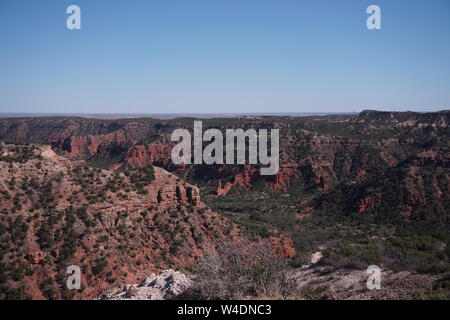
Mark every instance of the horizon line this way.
pixel 171 115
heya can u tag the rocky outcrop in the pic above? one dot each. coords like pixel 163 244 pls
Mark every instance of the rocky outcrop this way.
pixel 91 145
pixel 316 282
pixel 243 179
pixel 439 157
pixel 284 176
pixel 367 204
pixel 248 177
pixel 222 191
pixel 140 156
pixel 168 284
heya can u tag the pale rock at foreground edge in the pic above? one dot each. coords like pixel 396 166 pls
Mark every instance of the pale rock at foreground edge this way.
pixel 168 284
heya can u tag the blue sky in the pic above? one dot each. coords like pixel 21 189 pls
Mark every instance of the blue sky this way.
pixel 207 56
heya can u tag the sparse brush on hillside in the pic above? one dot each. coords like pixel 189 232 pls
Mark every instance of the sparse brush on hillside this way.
pixel 142 219
pixel 242 270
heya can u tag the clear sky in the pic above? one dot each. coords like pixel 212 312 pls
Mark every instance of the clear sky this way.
pixel 206 56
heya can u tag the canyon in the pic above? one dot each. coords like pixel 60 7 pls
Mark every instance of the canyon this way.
pixel 116 228
pixel 106 195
